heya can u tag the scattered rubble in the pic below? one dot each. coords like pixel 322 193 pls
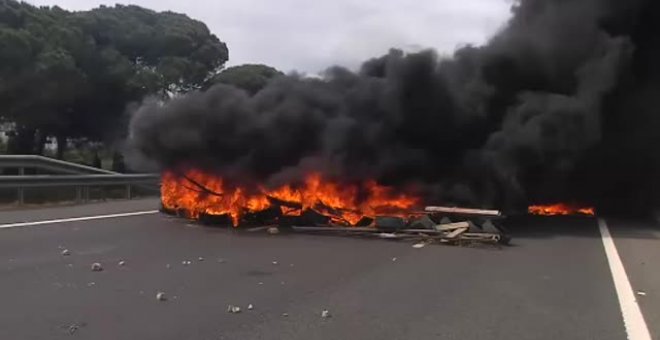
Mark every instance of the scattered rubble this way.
pixel 325 314
pixel 186 263
pixel 66 252
pixel 160 296
pixel 97 267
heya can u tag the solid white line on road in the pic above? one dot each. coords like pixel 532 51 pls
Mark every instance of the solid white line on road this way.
pixel 633 319
pixel 76 219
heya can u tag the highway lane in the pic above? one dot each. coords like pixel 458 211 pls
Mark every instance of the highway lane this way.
pixel 553 283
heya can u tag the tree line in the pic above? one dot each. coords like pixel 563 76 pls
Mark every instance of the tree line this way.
pixel 71 76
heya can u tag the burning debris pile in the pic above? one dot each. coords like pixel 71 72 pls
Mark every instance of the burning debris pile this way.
pixel 320 206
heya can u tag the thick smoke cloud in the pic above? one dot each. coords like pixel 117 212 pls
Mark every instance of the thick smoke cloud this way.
pixel 561 105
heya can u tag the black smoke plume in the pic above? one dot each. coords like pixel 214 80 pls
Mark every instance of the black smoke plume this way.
pixel 561 105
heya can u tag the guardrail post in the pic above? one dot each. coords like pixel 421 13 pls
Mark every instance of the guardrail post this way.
pixel 78 194
pixel 128 192
pixel 86 193
pixel 21 196
pixel 20 192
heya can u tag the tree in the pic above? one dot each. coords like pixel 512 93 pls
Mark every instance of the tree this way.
pixel 249 77
pixel 72 74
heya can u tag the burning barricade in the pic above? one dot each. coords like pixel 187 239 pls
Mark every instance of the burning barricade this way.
pixel 317 205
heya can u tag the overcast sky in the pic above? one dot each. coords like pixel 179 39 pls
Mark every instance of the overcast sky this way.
pixel 310 35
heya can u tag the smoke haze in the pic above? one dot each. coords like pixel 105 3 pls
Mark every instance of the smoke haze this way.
pixel 560 105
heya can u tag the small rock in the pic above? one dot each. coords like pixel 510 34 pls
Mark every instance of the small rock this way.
pixel 168 266
pixel 96 267
pixel 66 252
pixel 260 283
pixel 273 230
pixel 291 265
pixel 91 284
pixel 325 314
pixel 160 296
pixel 233 309
pixel 222 260
pixel 394 259
pixel 121 263
pixel 275 263
pixel 186 263
pixel 200 259
pixel 641 293
pixel 285 314
pixel 250 307
pixel 419 245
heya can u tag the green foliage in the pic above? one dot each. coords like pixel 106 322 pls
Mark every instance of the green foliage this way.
pixel 249 77
pixel 72 74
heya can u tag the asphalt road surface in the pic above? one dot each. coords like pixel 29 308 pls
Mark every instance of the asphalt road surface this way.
pixel 554 282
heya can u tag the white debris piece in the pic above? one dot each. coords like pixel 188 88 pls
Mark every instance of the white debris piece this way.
pixel 91 284
pixel 285 314
pixel 641 293
pixel 97 267
pixel 121 263
pixel 233 309
pixel 419 245
pixel 250 307
pixel 394 259
pixel 325 314
pixel 275 263
pixel 66 252
pixel 273 230
pixel 160 296
pixel 200 259
pixel 185 263
pixel 260 283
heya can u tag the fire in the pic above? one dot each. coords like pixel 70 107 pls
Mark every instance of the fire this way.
pixel 560 209
pixel 198 193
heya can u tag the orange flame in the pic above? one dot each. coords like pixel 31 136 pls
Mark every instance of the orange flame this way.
pixel 560 209
pixel 201 193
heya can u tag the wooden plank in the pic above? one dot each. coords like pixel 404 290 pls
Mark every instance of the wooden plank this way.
pixel 465 211
pixel 451 226
pixel 456 232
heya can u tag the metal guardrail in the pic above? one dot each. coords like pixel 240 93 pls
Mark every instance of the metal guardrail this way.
pixel 81 177
pixel 39 181
pixel 48 164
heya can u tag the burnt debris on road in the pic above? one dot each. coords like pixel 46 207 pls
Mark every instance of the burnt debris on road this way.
pixel 443 225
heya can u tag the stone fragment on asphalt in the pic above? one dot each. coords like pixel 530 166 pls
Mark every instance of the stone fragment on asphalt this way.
pixel 419 245
pixel 233 309
pixel 160 296
pixel 325 314
pixel 285 314
pixel 275 263
pixel 641 293
pixel 121 263
pixel 273 230
pixel 200 259
pixel 97 267
pixel 66 252
pixel 250 307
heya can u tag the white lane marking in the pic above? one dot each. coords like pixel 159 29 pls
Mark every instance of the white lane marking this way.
pixel 632 315
pixel 76 219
